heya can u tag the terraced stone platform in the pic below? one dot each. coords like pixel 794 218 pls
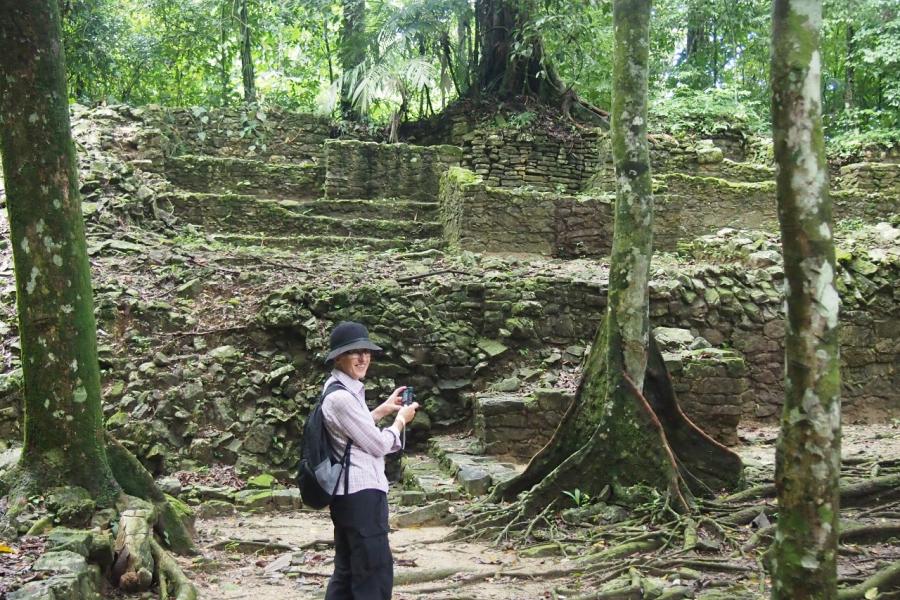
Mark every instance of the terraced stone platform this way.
pixel 248 202
pixel 226 174
pixel 424 473
pixel 247 214
pixel 454 467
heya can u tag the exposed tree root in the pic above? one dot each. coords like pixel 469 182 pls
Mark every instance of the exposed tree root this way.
pixel 869 533
pixel 632 592
pixel 620 551
pixel 874 490
pixel 182 588
pixel 674 455
pixel 885 579
pixel 413 577
pixel 251 546
pixel 137 481
pixel 134 565
pixel 766 490
pixel 871 491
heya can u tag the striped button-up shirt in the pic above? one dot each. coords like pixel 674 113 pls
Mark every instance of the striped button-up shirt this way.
pixel 348 417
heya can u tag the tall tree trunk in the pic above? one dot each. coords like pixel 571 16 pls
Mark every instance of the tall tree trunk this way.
pixel 808 453
pixel 849 70
pixel 352 51
pixel 328 50
pixel 64 436
pixel 224 67
pixel 247 73
pixel 506 74
pixel 625 426
pixel 628 311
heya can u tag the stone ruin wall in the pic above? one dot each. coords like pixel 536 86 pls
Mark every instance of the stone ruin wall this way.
pixel 480 217
pixel 435 331
pixel 712 386
pixel 274 135
pixel 363 170
pixel 243 402
pixel 508 158
pixel 532 192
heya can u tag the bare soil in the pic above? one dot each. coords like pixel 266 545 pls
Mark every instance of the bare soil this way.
pixel 466 570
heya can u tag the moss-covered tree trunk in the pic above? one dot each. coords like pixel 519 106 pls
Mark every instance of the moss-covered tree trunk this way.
pixel 64 437
pixel 628 310
pixel 808 454
pixel 352 51
pixel 248 74
pixel 625 426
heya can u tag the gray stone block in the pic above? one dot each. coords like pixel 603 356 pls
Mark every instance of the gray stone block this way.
pixel 215 508
pixel 434 514
pixel 476 481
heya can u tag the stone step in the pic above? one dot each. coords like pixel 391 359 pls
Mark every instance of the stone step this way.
pixel 227 174
pixel 727 171
pixel 871 177
pixel 301 242
pixel 423 473
pixel 516 426
pixel 386 208
pixel 475 473
pixel 382 209
pixel 244 214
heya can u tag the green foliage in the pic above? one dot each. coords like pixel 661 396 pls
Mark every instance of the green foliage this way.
pixel 578 497
pixel 578 40
pixel 706 112
pixel 861 128
pixel 521 120
pixel 417 60
pixel 708 71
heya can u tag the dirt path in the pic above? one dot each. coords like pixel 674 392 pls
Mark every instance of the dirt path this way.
pixel 417 552
pixel 300 570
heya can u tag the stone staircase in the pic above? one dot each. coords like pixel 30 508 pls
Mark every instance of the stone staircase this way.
pixel 455 466
pixel 264 202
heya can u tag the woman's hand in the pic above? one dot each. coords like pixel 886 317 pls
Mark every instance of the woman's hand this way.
pixel 389 406
pixel 408 413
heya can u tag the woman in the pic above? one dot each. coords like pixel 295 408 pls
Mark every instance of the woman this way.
pixel 363 565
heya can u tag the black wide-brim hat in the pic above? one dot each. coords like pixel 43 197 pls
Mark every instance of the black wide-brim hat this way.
pixel 347 336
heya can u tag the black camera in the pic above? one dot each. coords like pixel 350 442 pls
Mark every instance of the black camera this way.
pixel 408 396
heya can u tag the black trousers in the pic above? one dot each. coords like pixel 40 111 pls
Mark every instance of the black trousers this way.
pixel 363 565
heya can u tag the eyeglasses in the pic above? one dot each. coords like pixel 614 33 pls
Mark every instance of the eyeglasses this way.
pixel 360 352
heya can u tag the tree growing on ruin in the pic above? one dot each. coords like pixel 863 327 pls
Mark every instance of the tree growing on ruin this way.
pixel 64 439
pixel 512 61
pixel 625 427
pixel 808 454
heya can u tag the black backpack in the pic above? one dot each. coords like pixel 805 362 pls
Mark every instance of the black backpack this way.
pixel 320 472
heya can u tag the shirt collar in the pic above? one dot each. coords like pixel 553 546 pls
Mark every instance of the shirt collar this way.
pixel 355 386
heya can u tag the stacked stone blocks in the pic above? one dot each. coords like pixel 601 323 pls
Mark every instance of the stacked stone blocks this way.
pixel 357 169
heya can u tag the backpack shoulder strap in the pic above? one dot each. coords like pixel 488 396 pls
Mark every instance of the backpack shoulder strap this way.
pixel 345 459
pixel 332 387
